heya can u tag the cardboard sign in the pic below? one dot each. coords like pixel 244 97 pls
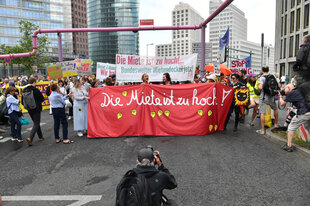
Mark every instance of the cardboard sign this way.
pixel 54 72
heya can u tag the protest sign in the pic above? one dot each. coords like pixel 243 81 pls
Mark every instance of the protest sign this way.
pixel 129 68
pixel 243 64
pixel 68 68
pixel 54 71
pixel 83 66
pixel 173 110
pixel 104 70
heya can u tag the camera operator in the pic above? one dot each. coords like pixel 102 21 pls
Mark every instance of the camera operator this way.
pixel 302 66
pixel 294 96
pixel 157 179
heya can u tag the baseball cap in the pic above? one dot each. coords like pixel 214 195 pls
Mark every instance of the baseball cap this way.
pixel 145 153
pixel 36 76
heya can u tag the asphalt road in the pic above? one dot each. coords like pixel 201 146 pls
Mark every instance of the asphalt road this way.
pixel 225 168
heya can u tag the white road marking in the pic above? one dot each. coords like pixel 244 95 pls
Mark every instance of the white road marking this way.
pixel 5 139
pixel 81 199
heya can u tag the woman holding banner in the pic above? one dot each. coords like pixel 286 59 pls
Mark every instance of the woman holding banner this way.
pixel 145 79
pixel 80 107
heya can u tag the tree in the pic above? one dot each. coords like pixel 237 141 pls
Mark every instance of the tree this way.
pixel 39 59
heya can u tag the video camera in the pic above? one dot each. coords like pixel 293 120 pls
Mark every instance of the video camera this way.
pixel 282 92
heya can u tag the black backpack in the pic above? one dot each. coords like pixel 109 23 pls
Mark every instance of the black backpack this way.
pixel 28 100
pixel 270 86
pixel 133 190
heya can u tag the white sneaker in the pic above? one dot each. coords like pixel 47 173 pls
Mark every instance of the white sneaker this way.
pixel 262 132
pixel 80 134
pixel 251 124
pixel 14 139
pixel 276 126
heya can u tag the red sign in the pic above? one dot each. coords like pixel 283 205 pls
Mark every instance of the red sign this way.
pixel 174 110
pixel 146 22
pixel 238 65
pixel 7 60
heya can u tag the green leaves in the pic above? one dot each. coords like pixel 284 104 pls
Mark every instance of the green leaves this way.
pixel 26 29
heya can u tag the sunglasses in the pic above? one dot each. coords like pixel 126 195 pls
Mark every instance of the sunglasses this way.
pixel 233 78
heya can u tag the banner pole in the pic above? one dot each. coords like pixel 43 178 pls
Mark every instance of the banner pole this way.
pixel 203 50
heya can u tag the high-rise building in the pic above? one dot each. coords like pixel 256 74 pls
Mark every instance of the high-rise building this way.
pixel 184 14
pixel 79 20
pixel 103 46
pixel 230 16
pixel 54 14
pixel 184 42
pixel 292 24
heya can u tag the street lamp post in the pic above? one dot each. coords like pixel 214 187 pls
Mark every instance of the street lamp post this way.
pixel 147 49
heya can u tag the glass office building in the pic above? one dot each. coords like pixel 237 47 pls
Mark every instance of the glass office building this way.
pixel 47 14
pixel 103 46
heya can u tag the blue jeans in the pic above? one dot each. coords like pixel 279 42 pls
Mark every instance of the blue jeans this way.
pixel 59 115
pixel 15 121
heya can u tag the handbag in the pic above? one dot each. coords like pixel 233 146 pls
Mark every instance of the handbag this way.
pixel 268 121
pixel 24 120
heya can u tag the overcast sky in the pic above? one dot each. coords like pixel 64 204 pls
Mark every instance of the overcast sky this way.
pixel 259 13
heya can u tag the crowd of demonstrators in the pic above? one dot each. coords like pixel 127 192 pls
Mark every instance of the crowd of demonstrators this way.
pixel 74 92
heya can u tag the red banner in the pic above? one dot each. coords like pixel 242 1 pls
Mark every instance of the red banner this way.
pixel 158 110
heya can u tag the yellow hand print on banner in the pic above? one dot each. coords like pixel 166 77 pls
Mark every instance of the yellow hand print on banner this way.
pixel 167 113
pixel 134 112
pixel 210 127
pixel 209 113
pixel 153 114
pixel 159 113
pixel 119 115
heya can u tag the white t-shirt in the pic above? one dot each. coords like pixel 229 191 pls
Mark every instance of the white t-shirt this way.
pixel 283 79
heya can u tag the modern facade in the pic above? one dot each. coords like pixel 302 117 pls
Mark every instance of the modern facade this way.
pixel 256 49
pixel 196 48
pixel 52 14
pixel 184 42
pixel 230 16
pixel 292 24
pixel 103 46
pixel 79 20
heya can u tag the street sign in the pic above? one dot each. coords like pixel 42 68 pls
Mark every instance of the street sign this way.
pixel 146 22
pixel 7 60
